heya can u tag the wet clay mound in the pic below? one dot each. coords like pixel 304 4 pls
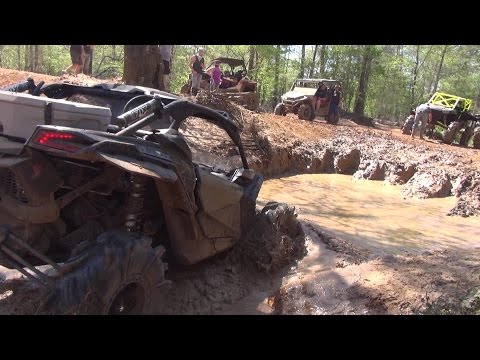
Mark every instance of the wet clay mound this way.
pixel 237 113
pixel 429 185
pixel 10 77
pixel 467 189
pixel 275 240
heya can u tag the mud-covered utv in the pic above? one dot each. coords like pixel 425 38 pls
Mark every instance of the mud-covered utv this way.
pixel 452 114
pixel 119 98
pixel 299 100
pixel 235 86
pixel 100 207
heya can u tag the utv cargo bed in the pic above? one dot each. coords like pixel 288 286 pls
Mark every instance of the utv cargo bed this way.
pixel 21 113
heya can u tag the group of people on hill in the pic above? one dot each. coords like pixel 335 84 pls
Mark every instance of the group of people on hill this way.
pixel 197 67
pixel 218 78
pixel 324 94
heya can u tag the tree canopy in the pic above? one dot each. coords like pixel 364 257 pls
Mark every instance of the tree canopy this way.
pixel 382 81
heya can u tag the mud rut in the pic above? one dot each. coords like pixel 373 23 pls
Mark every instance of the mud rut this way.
pixel 265 272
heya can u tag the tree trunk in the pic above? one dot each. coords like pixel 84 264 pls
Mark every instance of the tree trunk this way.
pixel 312 68
pixel 88 68
pixel 302 63
pixel 143 66
pixel 277 75
pixel 323 60
pixel 251 59
pixel 26 57
pixel 284 86
pixel 19 58
pixel 36 57
pixel 439 70
pixel 415 73
pixel 256 64
pixel 30 57
pixel 359 107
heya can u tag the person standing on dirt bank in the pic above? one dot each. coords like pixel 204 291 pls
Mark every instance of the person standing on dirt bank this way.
pixel 320 97
pixel 335 100
pixel 216 77
pixel 422 114
pixel 77 54
pixel 166 54
pixel 197 64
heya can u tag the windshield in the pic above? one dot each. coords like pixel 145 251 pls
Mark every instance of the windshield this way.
pixel 312 84
pixel 306 84
pixel 210 145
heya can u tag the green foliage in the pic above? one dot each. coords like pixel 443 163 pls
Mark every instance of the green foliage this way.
pixel 107 59
pixel 391 88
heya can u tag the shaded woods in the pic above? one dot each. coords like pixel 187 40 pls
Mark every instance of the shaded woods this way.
pixel 382 81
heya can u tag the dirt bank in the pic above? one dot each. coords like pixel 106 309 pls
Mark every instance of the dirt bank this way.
pixel 10 77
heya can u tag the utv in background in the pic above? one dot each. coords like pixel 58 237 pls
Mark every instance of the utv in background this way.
pixel 299 100
pixel 452 114
pixel 235 86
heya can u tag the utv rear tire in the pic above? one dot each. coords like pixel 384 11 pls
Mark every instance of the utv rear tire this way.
pixel 450 133
pixel 305 112
pixel 120 274
pixel 280 109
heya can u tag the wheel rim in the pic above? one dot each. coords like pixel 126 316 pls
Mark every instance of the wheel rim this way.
pixel 130 300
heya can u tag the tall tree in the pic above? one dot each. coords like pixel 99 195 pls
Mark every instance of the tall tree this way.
pixel 302 63
pixel 323 60
pixel 19 57
pixel 415 74
pixel 27 53
pixel 360 101
pixel 439 69
pixel 312 68
pixel 36 58
pixel 143 66
pixel 251 58
pixel 276 74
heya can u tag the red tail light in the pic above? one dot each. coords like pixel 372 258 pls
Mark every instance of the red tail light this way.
pixel 59 140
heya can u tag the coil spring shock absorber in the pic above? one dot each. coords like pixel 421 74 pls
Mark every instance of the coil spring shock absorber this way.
pixel 133 218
